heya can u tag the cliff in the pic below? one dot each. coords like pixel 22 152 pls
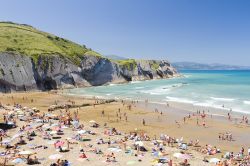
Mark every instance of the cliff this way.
pixel 35 60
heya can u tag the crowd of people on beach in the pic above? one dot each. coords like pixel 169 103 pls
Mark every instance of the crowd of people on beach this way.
pixel 28 133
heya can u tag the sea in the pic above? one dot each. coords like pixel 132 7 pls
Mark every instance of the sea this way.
pixel 221 89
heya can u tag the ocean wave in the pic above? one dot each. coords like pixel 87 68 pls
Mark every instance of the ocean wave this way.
pixel 135 82
pixel 246 102
pixel 163 89
pixel 181 100
pixel 187 76
pixel 139 87
pixel 222 99
pixel 157 91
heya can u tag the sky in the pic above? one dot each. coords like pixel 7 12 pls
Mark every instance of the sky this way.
pixel 206 31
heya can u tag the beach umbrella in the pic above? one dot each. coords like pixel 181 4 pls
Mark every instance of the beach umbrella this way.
pixel 185 156
pixel 46 126
pixel 26 152
pixel 17 161
pixel 6 141
pixel 140 143
pixel 38 120
pixel 214 160
pixel 57 128
pixel 16 135
pixel 75 124
pixel 54 124
pixel 55 156
pixel 114 149
pixel 177 155
pixel 17 109
pixel 64 127
pixel 59 143
pixel 53 132
pixel 163 158
pixel 92 121
pixel 159 141
pixel 50 142
pixel 10 123
pixel 11 112
pixel 27 128
pixel 81 131
pixel 20 112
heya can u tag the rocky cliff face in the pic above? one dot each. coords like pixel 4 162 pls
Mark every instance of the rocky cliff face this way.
pixel 20 73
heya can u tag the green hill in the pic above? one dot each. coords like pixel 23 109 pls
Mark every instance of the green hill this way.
pixel 26 40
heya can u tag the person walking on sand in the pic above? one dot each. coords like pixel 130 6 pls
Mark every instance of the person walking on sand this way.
pixel 197 121
pixel 204 124
pixel 143 122
pixel 178 124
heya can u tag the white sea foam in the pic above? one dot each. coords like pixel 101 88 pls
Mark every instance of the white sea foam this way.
pixel 222 99
pixel 164 89
pixel 246 102
pixel 135 82
pixel 187 76
pixel 181 100
pixel 139 87
pixel 203 104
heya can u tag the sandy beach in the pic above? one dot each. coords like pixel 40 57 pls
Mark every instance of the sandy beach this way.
pixel 128 117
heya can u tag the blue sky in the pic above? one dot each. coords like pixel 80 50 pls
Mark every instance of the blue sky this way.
pixel 206 31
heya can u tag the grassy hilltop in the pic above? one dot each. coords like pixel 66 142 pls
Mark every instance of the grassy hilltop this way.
pixel 26 40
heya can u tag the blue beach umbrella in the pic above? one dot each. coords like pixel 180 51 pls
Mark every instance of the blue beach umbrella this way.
pixel 17 161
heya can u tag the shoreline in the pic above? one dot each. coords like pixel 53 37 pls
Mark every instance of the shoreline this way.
pixel 188 107
pixel 156 123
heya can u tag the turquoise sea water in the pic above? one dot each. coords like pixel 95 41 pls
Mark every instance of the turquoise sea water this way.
pixel 201 88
